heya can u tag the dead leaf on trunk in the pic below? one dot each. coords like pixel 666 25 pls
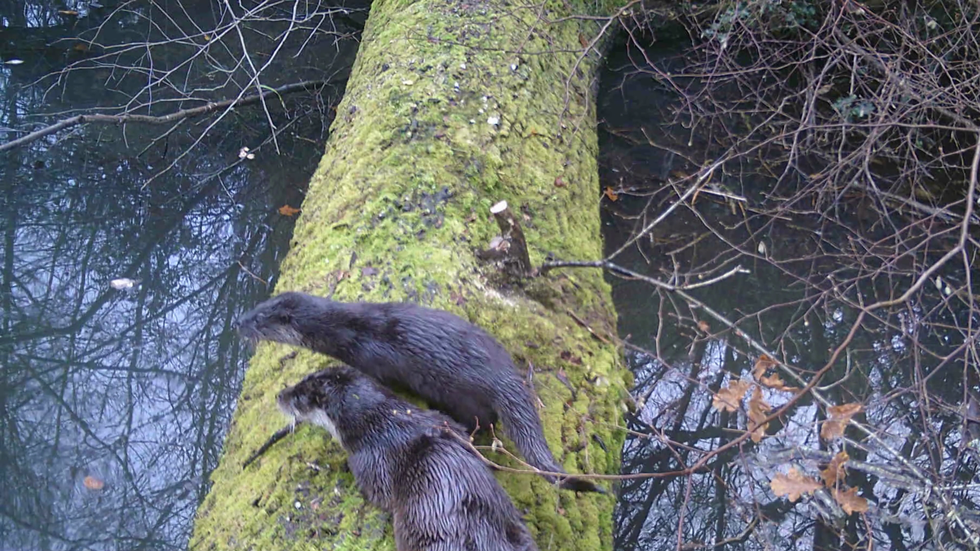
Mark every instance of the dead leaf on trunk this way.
pixel 758 411
pixel 835 470
pixel 728 398
pixel 839 416
pixel 793 485
pixel 850 501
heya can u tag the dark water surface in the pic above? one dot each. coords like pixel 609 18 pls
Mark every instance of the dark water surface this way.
pixel 114 403
pixel 913 367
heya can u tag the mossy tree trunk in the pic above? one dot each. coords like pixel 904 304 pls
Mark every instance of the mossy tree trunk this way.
pixel 452 105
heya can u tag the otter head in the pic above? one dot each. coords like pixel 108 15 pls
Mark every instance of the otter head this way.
pixel 337 399
pixel 274 320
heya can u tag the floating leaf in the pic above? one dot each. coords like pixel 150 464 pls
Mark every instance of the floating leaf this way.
pixel 287 210
pixel 81 47
pixel 244 153
pixel 122 283
pixel 703 326
pixel 758 411
pixel 850 501
pixel 729 398
pixel 612 195
pixel 835 470
pixel 763 364
pixel 833 427
pixel 93 483
pixel 67 12
pixel 793 485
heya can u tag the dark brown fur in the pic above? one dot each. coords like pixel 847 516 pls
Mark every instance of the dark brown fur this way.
pixel 454 365
pixel 408 462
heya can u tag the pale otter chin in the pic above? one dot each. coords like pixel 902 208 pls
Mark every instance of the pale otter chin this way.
pixel 408 461
pixel 454 365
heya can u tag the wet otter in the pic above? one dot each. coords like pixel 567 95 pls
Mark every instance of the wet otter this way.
pixel 452 364
pixel 407 462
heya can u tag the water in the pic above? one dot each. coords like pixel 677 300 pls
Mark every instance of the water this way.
pixel 114 403
pixel 910 366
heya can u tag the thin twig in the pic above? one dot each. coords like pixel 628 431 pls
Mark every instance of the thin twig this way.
pixel 149 119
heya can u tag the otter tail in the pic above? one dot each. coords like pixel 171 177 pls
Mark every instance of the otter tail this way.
pixel 523 425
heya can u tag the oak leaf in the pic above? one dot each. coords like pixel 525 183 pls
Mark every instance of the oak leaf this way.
pixel 763 364
pixel 287 210
pixel 835 470
pixel 758 411
pixel 850 501
pixel 793 485
pixel 729 398
pixel 776 383
pixel 833 427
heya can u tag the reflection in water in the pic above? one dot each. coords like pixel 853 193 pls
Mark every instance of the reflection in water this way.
pixel 917 466
pixel 114 402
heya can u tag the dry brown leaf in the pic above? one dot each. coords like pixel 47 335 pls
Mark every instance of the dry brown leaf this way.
pixel 559 182
pixel 763 364
pixel 612 195
pixel 758 411
pixel 729 398
pixel 833 427
pixel 287 210
pixel 793 485
pixel 93 483
pixel 850 501
pixel 776 383
pixel 835 470
pixel 703 326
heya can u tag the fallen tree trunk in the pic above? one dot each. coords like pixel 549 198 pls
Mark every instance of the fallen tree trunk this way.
pixel 451 107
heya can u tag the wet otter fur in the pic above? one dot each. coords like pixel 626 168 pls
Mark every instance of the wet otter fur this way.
pixel 454 365
pixel 407 462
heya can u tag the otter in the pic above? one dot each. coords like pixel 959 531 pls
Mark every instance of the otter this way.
pixel 408 462
pixel 454 365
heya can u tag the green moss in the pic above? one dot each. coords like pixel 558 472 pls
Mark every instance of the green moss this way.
pixel 403 134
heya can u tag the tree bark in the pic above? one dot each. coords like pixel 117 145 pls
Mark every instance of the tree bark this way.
pixel 451 107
